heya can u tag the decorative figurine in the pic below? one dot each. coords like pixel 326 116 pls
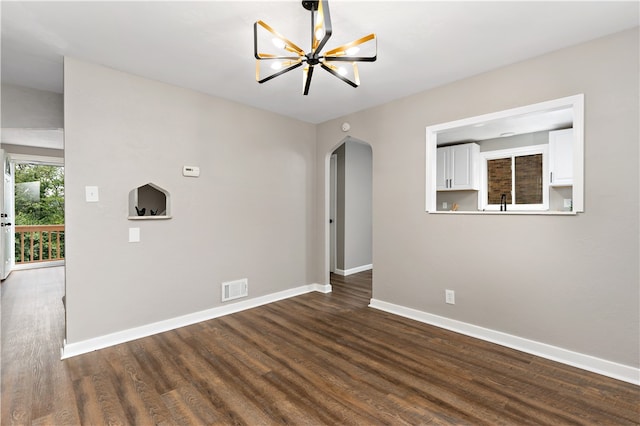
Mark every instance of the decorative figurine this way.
pixel 153 212
pixel 141 211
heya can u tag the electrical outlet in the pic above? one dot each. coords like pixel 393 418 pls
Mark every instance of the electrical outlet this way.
pixel 444 205
pixel 450 297
pixel 567 203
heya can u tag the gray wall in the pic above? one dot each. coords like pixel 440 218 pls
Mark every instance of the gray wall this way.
pixel 23 107
pixel 570 282
pixel 354 192
pixel 248 215
pixel 26 108
pixel 358 214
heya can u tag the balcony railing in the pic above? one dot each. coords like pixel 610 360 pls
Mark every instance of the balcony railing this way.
pixel 39 243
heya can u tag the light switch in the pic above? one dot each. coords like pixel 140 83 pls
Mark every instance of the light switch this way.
pixel 91 194
pixel 134 235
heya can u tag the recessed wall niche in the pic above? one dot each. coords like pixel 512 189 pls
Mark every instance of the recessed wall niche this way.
pixel 149 202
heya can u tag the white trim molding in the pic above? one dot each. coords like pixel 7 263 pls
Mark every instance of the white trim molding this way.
pixel 345 272
pixel 322 288
pixel 37 159
pixel 78 348
pixel 575 359
pixel 37 265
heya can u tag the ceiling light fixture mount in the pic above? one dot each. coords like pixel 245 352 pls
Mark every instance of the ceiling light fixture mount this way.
pixel 284 56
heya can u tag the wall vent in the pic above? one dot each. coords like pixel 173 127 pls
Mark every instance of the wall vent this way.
pixel 235 289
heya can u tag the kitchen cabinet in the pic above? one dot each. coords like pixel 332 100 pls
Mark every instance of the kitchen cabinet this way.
pixel 457 167
pixel 561 157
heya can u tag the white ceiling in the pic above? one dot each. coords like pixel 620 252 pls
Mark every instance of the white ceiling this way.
pixel 208 45
pixel 552 119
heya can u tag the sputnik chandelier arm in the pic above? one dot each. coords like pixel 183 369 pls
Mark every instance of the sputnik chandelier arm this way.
pixel 282 55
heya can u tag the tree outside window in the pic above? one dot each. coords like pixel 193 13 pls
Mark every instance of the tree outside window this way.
pixel 39 194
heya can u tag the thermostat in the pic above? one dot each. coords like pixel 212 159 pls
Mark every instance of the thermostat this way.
pixel 192 171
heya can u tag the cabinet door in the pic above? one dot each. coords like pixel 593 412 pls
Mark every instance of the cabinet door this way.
pixel 442 169
pixel 561 157
pixel 463 166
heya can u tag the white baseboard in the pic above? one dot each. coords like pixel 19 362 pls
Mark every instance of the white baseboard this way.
pixel 37 265
pixel 586 362
pixel 78 348
pixel 322 288
pixel 345 272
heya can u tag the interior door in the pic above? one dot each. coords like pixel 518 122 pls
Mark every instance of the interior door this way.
pixel 7 224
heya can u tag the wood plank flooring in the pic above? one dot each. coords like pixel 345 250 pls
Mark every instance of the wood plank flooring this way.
pixel 315 359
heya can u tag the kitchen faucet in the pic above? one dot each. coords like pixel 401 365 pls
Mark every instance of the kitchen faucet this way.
pixel 503 203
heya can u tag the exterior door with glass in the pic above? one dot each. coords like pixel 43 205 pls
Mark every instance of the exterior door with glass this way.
pixel 7 224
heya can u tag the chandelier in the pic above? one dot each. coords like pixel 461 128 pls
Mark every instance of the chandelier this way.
pixel 279 55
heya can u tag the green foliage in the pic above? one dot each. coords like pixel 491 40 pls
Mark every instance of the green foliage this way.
pixel 39 194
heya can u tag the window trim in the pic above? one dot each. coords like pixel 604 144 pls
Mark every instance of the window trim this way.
pixel 512 153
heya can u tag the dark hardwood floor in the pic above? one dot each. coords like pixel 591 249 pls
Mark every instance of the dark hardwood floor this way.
pixel 310 360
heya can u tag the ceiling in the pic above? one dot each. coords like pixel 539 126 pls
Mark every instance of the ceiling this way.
pixel 208 45
pixel 544 120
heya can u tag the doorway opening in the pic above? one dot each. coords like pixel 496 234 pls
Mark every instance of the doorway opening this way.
pixel 349 207
pixel 32 205
pixel 38 204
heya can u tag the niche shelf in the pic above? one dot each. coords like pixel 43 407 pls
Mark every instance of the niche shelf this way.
pixel 149 202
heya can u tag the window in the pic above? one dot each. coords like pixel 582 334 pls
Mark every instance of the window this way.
pixel 516 177
pixel 547 116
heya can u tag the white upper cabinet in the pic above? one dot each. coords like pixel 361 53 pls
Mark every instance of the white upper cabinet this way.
pixel 457 167
pixel 442 169
pixel 561 157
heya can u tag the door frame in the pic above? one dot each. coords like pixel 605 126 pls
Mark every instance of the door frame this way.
pixel 40 160
pixel 328 193
pixel 333 213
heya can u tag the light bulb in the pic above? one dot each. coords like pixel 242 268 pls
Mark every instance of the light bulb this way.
pixel 276 65
pixel 319 33
pixel 352 50
pixel 342 71
pixel 278 43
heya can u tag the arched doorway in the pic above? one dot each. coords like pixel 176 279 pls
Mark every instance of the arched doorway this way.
pixel 349 207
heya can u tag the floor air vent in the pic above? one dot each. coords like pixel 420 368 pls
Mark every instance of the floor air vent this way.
pixel 235 289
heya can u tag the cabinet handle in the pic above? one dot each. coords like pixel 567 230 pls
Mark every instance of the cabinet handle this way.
pixel 551 178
